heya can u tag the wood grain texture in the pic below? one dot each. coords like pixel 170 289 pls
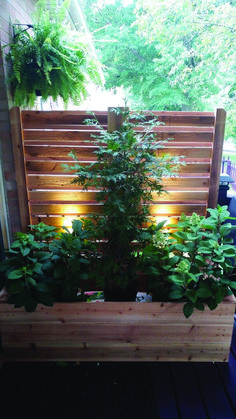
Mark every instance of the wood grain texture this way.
pixel 116 332
pixel 217 157
pixel 21 177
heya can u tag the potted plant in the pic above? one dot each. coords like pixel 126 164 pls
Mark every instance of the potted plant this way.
pixel 127 171
pixel 50 60
pixel 117 331
pixel 193 261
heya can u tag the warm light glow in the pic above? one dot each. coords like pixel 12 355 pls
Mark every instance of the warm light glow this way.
pixel 72 209
pixel 160 219
pixel 160 209
pixel 67 221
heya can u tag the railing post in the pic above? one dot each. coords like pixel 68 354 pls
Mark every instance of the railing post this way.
pixel 228 167
pixel 216 157
pixel 114 119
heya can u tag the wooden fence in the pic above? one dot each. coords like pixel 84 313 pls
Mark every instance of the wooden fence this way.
pixel 43 139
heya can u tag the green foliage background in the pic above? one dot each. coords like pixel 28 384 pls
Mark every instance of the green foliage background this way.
pixel 168 55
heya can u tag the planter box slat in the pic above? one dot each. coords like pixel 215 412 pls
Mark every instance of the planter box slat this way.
pixel 118 352
pixel 116 311
pixel 116 332
pixel 100 332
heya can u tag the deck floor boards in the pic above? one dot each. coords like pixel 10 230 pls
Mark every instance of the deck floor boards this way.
pixel 163 391
pixel 187 391
pixel 119 390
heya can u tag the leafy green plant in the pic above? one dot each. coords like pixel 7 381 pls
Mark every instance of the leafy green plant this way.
pixel 157 262
pixel 44 266
pixel 26 279
pixel 195 261
pixel 51 59
pixel 70 259
pixel 128 169
pixel 43 233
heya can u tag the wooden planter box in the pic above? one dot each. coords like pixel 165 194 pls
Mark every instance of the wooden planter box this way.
pixel 116 332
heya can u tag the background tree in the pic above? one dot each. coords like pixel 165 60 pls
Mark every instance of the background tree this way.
pixel 175 55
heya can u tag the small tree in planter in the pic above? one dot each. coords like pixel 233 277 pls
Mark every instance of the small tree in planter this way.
pixel 48 59
pixel 127 172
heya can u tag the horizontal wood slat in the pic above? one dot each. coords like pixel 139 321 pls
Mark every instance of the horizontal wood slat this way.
pixel 48 118
pixel 87 208
pixel 113 353
pixel 70 197
pixel 137 334
pixel 87 153
pixel 115 311
pixel 49 136
pixel 53 167
pixel 64 182
pixel 77 117
pixel 83 134
pixel 65 220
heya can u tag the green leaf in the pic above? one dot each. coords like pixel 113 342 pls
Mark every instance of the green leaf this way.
pixel 60 271
pixel 150 250
pixel 15 244
pixel 175 279
pixel 41 287
pixel 45 299
pixel 188 309
pixel 220 294
pixel 199 305
pixel 176 293
pixel 173 260
pixel 31 304
pixel 16 287
pixel 205 250
pixel 160 225
pixel 180 247
pixel 212 304
pixel 16 274
pixel 31 281
pixel 42 256
pixel 204 292
pixel 38 268
pixel 191 295
pixel 200 261
pixel 225 229
pixel 218 259
pixel 232 284
pixel 25 251
pixel 153 270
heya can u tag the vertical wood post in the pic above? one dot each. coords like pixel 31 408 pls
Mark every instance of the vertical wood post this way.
pixel 17 140
pixel 216 157
pixel 228 167
pixel 114 119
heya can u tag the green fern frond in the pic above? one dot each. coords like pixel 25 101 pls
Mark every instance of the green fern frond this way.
pixel 50 58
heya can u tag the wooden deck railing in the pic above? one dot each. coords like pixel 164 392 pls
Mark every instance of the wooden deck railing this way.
pixel 43 139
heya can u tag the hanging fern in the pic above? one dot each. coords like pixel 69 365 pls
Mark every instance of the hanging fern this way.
pixel 50 58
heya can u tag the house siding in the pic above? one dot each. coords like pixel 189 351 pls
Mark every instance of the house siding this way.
pixel 12 11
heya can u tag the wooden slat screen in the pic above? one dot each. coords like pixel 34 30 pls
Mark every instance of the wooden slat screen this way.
pixel 48 137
